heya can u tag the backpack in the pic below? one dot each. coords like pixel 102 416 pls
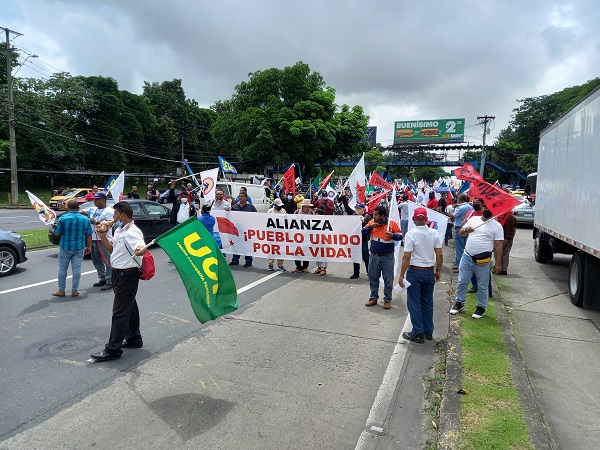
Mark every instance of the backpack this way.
pixel 147 270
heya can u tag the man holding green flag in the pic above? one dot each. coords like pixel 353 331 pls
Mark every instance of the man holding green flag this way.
pixel 203 269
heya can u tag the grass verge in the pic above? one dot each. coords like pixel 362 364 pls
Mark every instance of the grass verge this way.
pixel 491 414
pixel 434 386
pixel 36 237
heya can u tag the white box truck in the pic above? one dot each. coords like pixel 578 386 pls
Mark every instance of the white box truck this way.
pixel 567 198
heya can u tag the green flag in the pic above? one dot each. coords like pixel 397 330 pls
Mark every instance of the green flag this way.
pixel 203 269
pixel 317 181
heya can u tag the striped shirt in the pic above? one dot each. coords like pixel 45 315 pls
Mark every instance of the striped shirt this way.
pixel 73 228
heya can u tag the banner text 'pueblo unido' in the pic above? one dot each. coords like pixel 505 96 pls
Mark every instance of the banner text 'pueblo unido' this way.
pixel 296 236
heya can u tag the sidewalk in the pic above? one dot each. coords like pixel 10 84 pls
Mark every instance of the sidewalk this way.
pixel 299 368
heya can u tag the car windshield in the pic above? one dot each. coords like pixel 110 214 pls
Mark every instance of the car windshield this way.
pixel 70 192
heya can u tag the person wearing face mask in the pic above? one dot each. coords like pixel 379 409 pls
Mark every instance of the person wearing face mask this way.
pixel 277 208
pixel 486 237
pixel 182 210
pixel 126 250
pixel 289 204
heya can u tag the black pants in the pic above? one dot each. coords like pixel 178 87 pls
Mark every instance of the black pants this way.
pixel 365 258
pixel 301 264
pixel 125 315
pixel 449 229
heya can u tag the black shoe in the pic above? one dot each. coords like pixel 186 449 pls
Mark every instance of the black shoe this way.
pixel 429 337
pixel 490 295
pixel 248 265
pixel 411 337
pixel 106 287
pixel 99 283
pixel 472 291
pixel 502 272
pixel 233 263
pixel 354 276
pixel 457 308
pixel 132 344
pixel 479 312
pixel 104 356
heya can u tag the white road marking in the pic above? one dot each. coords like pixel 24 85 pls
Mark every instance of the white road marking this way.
pixel 385 394
pixel 13 217
pixel 255 283
pixel 20 288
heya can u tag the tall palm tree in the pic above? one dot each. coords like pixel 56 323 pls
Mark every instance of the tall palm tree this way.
pixel 528 162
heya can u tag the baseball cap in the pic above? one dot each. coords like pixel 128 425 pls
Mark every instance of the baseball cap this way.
pixel 420 214
pixel 360 205
pixel 101 195
pixel 278 202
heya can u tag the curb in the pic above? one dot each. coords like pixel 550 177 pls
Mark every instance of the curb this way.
pixel 539 433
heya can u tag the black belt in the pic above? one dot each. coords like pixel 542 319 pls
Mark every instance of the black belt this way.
pixel 383 254
pixel 421 268
pixel 129 269
pixel 457 226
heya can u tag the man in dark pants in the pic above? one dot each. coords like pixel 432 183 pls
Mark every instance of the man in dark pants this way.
pixel 126 249
pixel 421 245
pixel 359 210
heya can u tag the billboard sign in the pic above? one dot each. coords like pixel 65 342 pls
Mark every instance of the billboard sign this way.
pixel 437 131
pixel 371 136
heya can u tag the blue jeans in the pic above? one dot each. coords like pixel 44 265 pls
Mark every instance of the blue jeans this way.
pixel 474 283
pixel 66 257
pixel 466 270
pixel 104 270
pixel 459 244
pixel 420 300
pixel 381 266
pixel 404 227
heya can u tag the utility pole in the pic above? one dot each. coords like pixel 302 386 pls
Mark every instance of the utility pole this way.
pixel 182 157
pixel 484 120
pixel 14 184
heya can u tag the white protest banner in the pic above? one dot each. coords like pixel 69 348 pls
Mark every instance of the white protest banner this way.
pixel 209 183
pixel 295 236
pixel 435 220
pixel 46 215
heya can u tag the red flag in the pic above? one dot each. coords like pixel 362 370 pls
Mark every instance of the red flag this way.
pixel 325 182
pixel 289 180
pixel 449 199
pixel 495 199
pixel 377 180
pixel 468 173
pixel 374 201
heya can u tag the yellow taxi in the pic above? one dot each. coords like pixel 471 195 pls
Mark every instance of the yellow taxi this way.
pixel 59 201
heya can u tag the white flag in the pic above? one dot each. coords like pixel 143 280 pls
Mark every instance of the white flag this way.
pixel 116 190
pixel 46 215
pixel 394 215
pixel 357 183
pixel 209 183
pixel 435 220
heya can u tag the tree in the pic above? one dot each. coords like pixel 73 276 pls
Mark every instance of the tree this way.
pixel 287 115
pixel 528 162
pixel 374 161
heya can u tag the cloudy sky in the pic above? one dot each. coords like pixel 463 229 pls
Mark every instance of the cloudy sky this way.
pixel 400 60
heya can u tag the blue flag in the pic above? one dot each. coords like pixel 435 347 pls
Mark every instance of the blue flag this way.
pixel 465 187
pixel 227 167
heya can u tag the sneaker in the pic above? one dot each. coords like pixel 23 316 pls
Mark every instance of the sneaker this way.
pixel 457 308
pixel 429 337
pixel 418 339
pixel 479 312
pixel 248 264
pixel 503 272
pixel 270 268
pixel 283 269
pixel 354 276
pixel 472 291
pixel 234 263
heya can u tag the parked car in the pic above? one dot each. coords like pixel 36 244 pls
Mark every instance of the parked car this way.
pixel 58 201
pixel 150 217
pixel 524 213
pixel 163 196
pixel 12 251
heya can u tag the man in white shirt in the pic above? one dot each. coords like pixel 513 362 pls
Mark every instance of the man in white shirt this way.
pixel 126 249
pixel 421 245
pixel 100 256
pixel 277 209
pixel 486 237
pixel 220 203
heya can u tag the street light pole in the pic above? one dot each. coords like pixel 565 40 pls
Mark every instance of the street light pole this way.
pixel 14 184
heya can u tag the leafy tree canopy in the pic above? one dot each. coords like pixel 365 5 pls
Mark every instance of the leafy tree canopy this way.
pixel 287 115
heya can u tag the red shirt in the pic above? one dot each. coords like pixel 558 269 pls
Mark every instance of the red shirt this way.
pixel 432 204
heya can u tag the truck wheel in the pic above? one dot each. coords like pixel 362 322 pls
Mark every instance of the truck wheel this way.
pixel 8 261
pixel 541 249
pixel 591 282
pixel 576 279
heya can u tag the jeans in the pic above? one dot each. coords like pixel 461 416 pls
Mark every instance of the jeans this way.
pixel 404 227
pixel 236 259
pixel 419 298
pixel 475 285
pixel 459 244
pixel 75 258
pixel 465 271
pixel 104 270
pixel 381 266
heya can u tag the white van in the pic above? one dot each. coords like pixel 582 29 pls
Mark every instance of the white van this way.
pixel 260 195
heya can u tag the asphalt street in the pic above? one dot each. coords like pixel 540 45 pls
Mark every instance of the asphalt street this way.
pixel 301 364
pixel 20 219
pixel 560 344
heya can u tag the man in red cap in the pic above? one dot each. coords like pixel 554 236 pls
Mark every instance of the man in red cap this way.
pixel 421 246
